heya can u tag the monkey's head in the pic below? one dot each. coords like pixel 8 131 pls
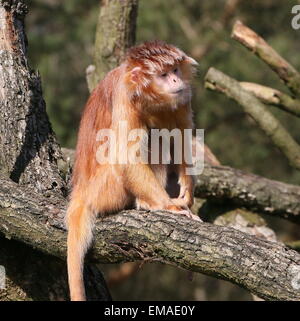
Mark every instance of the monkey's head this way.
pixel 159 74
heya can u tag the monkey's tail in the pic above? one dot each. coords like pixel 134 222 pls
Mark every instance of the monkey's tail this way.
pixel 79 221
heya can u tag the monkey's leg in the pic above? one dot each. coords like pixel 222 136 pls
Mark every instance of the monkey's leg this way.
pixel 186 183
pixel 180 186
pixel 142 183
pixel 185 197
pixel 160 172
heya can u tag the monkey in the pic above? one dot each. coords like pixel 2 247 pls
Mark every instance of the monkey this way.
pixel 150 89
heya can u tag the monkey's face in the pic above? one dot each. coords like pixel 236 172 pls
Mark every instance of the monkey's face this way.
pixel 170 82
pixel 171 85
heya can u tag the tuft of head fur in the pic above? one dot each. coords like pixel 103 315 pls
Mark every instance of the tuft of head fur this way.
pixel 154 56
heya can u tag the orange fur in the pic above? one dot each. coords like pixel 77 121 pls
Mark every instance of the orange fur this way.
pixel 126 93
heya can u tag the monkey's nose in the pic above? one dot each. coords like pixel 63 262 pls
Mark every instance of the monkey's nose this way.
pixel 174 79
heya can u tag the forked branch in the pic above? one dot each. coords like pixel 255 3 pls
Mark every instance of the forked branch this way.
pixel 218 81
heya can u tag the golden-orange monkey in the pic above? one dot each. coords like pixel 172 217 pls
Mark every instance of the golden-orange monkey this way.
pixel 151 89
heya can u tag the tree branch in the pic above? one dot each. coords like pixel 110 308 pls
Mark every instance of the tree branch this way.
pixel 266 53
pixel 216 80
pixel 253 192
pixel 273 97
pixel 265 268
pixel 114 35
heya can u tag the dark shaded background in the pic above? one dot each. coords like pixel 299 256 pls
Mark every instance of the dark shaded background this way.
pixel 61 36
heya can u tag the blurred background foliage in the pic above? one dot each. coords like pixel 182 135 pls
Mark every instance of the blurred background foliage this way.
pixel 61 36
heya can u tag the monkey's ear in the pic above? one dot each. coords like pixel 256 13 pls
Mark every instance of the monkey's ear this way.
pixel 192 61
pixel 135 74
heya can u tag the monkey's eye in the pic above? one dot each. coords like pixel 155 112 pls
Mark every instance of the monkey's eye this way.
pixel 164 75
pixel 175 70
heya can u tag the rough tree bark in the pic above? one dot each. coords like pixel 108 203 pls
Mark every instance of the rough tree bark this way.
pixel 28 148
pixel 34 276
pixel 253 192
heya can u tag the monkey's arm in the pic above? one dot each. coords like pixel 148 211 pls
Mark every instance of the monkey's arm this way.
pixel 150 194
pixel 186 181
pixel 186 186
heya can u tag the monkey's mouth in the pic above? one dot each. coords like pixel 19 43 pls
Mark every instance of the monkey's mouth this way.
pixel 177 92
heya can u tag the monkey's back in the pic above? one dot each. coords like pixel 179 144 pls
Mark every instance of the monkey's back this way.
pixel 97 114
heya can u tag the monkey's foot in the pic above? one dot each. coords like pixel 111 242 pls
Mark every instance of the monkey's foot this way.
pixel 188 213
pixel 179 207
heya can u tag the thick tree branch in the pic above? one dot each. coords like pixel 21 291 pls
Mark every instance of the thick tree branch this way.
pixel 253 192
pixel 114 35
pixel 266 53
pixel 273 97
pixel 216 80
pixel 265 268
